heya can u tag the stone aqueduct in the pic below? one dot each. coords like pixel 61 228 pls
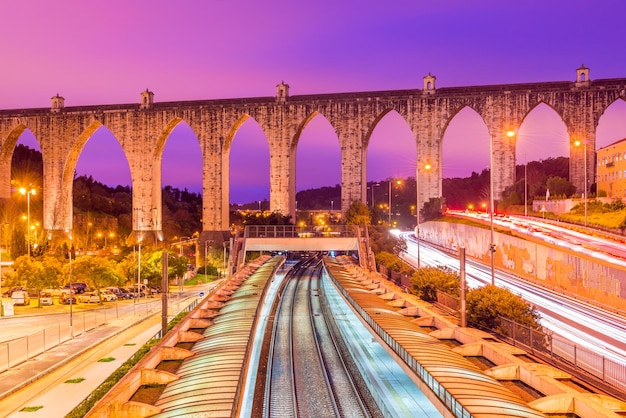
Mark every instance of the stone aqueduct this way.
pixel 142 130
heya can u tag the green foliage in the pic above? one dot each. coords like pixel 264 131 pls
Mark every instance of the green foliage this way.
pixel 393 262
pixel 382 240
pixel 260 218
pixel 559 186
pixel 31 408
pixel 97 272
pixel 486 304
pixel 358 214
pixel 432 209
pixel 316 199
pixel 427 280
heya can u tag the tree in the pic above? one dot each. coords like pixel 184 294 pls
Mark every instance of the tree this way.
pixel 427 280
pixel 382 240
pixel 97 271
pixel 358 214
pixel 485 306
pixel 19 246
pixel 433 208
pixel 558 186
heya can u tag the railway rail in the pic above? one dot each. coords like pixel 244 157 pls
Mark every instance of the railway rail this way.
pixel 306 373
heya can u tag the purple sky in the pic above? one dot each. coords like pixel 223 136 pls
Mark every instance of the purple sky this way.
pixel 109 51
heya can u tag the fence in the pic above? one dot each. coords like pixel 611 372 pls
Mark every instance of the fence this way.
pixel 554 348
pixel 22 349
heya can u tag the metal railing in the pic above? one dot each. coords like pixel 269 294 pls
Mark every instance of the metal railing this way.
pixel 557 349
pixel 553 348
pixel 293 231
pixel 19 350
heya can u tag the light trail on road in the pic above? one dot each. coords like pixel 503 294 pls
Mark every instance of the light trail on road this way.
pixel 594 329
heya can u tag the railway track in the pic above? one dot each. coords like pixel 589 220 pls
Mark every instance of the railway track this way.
pixel 306 373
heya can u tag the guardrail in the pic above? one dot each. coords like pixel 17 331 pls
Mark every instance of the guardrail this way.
pixel 293 231
pixel 553 348
pixel 19 350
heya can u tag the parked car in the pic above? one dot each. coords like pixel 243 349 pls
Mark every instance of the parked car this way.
pixel 20 297
pixel 89 297
pixel 45 298
pixel 120 292
pixel 77 287
pixel 107 295
pixel 55 291
pixel 67 297
pixel 134 293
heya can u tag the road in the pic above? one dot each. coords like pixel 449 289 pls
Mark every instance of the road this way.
pixel 596 329
pixel 55 319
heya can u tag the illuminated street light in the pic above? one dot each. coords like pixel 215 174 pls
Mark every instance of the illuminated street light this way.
pixel 492 245
pixel 427 167
pixel 389 213
pixel 72 294
pixel 373 204
pixel 584 143
pixel 27 192
pixel 1 234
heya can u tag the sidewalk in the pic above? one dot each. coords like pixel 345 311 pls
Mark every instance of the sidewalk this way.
pixel 20 376
pixel 41 381
pixel 56 395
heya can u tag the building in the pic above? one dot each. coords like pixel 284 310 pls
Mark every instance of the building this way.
pixel 612 170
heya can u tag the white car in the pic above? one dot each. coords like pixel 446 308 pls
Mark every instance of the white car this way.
pixel 89 297
pixel 107 295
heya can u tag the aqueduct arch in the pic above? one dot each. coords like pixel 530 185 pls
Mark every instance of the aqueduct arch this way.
pixel 142 130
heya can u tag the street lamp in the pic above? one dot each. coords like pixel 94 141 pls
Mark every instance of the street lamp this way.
pixel 389 213
pixel 1 234
pixel 72 294
pixel 28 192
pixel 427 167
pixel 584 143
pixel 138 210
pixel 373 204
pixel 492 245
pixel 525 186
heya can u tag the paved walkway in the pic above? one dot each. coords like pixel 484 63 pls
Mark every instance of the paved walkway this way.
pixel 42 380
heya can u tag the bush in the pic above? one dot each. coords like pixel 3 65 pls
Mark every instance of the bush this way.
pixel 427 280
pixel 485 306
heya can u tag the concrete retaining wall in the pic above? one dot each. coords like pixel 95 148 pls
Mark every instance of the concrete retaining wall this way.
pixel 550 265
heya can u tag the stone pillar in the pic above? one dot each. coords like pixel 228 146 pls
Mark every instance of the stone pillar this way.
pixel 352 133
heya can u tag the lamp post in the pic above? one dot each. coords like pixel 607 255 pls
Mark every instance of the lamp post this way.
pixel 389 213
pixel 492 245
pixel 373 204
pixel 1 235
pixel 27 192
pixel 72 294
pixel 584 143
pixel 224 263
pixel 525 186
pixel 418 208
pixel 137 210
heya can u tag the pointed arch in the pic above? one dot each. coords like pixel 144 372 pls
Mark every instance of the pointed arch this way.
pixel 611 123
pixel 69 168
pixel 542 134
pixel 316 144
